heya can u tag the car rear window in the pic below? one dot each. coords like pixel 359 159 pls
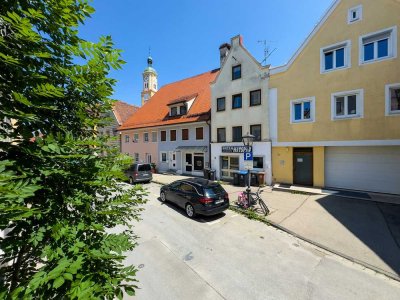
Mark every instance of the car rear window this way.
pixel 214 190
pixel 144 167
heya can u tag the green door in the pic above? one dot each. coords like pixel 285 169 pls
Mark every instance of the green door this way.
pixel 303 166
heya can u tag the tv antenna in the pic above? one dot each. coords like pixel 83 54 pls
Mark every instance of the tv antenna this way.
pixel 267 52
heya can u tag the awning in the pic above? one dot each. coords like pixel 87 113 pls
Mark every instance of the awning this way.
pixel 192 148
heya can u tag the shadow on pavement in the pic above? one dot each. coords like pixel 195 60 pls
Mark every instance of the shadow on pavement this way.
pixel 197 218
pixel 377 225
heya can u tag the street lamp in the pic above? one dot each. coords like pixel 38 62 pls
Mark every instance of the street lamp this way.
pixel 248 143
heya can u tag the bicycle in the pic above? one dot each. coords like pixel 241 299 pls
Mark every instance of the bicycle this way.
pixel 244 203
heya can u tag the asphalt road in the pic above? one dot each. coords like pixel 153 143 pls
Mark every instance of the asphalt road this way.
pixel 231 257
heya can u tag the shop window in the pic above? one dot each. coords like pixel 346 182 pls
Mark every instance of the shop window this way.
pixel 258 162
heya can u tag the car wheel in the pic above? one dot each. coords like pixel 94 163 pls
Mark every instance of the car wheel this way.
pixel 190 210
pixel 162 197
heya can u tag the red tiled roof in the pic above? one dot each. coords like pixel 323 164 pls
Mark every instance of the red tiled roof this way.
pixel 123 111
pixel 156 111
pixel 183 99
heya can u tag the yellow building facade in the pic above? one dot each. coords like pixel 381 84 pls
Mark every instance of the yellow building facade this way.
pixel 337 102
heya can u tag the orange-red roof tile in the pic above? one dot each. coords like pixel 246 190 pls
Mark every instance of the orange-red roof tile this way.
pixel 156 111
pixel 123 111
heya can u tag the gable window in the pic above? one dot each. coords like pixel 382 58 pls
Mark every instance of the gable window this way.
pixel 182 110
pixel 174 111
pixel 256 131
pixel 237 101
pixel 126 138
pixel 172 135
pixel 335 57
pixel 154 136
pixel 237 134
pixel 378 46
pixel 354 14
pixel 347 104
pixel 199 133
pixel 302 110
pixel 185 134
pixel 163 135
pixel 236 72
pixel 221 104
pixel 255 98
pixel 392 99
pixel 221 135
pixel 135 137
pixel 146 137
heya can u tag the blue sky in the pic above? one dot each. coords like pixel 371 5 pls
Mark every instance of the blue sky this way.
pixel 184 36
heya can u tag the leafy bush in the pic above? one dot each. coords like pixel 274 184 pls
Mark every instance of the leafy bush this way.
pixel 67 219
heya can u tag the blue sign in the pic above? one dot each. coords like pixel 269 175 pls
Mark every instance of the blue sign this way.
pixel 248 156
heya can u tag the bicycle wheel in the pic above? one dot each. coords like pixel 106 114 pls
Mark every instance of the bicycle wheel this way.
pixel 263 206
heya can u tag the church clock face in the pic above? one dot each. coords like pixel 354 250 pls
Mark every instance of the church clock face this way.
pixel 146 78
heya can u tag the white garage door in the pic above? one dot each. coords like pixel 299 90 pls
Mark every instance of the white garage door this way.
pixel 375 169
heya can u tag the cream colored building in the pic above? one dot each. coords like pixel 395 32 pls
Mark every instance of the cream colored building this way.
pixel 239 105
pixel 338 102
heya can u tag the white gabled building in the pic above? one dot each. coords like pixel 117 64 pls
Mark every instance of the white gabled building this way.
pixel 239 105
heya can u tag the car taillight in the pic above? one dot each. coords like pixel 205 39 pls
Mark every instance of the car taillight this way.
pixel 136 174
pixel 206 200
pixel 226 196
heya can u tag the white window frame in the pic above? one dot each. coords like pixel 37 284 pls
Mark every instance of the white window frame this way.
pixel 152 135
pixel 188 134
pixel 359 104
pixel 347 56
pixel 161 157
pixel 302 100
pixel 135 137
pixel 195 134
pixel 388 111
pixel 176 135
pixel 392 45
pixel 359 10
pixel 144 137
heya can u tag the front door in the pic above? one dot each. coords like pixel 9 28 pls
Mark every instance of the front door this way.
pixel 188 162
pixel 303 166
pixel 172 160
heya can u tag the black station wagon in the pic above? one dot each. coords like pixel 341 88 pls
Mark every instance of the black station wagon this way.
pixel 196 196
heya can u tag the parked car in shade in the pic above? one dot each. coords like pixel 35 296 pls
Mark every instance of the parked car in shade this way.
pixel 139 173
pixel 196 196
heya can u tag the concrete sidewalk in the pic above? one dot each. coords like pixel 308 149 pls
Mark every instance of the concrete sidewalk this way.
pixel 365 231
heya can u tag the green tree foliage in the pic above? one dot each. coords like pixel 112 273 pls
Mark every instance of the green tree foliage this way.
pixel 66 216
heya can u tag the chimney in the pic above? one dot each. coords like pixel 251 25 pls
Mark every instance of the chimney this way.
pixel 223 52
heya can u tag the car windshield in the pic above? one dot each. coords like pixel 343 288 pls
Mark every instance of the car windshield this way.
pixel 214 190
pixel 144 167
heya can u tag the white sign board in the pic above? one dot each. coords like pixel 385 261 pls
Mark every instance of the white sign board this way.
pixel 248 164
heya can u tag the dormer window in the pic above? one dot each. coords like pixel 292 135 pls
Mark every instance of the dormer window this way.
pixel 174 111
pixel 182 110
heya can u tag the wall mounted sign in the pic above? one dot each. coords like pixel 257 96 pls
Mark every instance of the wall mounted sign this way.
pixel 235 149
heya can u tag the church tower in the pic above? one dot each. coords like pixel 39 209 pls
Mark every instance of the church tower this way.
pixel 149 81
